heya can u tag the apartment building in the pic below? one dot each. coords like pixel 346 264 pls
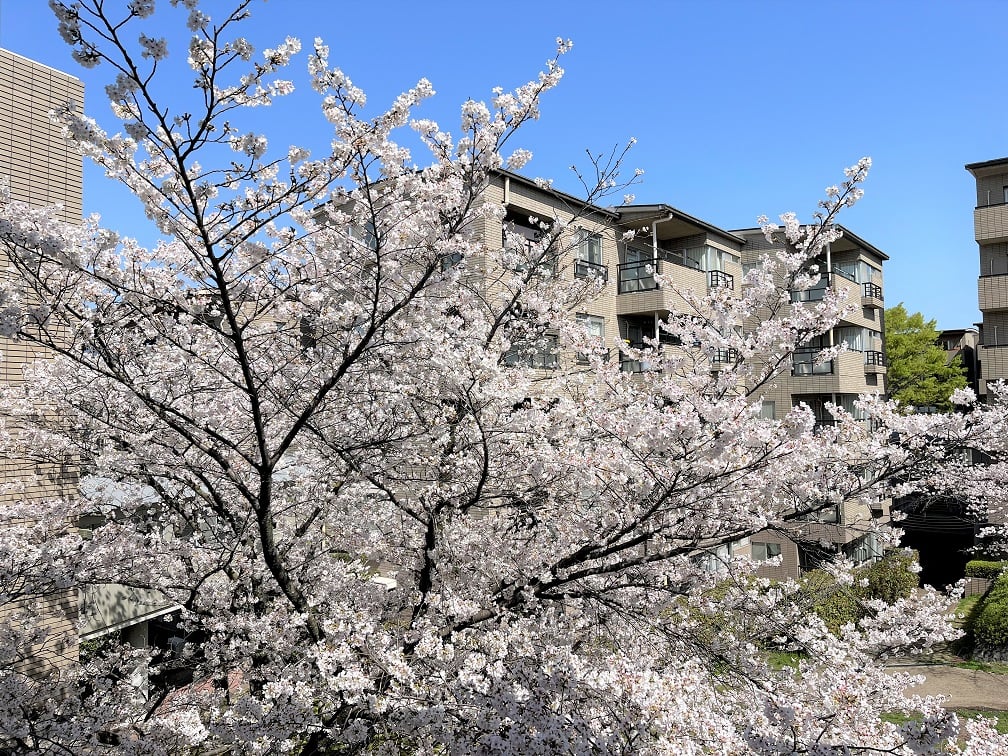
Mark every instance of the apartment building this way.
pixel 852 267
pixel 702 256
pixel 40 170
pixel 631 303
pixel 990 229
pixel 962 345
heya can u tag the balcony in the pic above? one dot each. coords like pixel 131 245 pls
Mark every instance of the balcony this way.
pixel 990 223
pixel 992 292
pixel 874 363
pixel 639 293
pixel 871 296
pixel 585 269
pixel 718 279
pixel 583 358
pixel 867 294
pixel 628 365
pixel 845 374
pixel 637 276
pixel 803 362
pixel 814 294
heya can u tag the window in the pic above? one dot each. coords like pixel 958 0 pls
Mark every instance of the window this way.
pixel 450 260
pixel 762 550
pixel 589 247
pixel 538 353
pixel 595 326
pixel 805 361
pixel 694 258
pixel 768 410
pixel 828 513
pixel 636 272
pixel 522 242
pixel 589 257
pixel 1005 190
pixel 366 236
pixel 856 338
pixel 857 271
pixel 847 401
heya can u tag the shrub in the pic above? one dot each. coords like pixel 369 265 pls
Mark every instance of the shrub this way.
pixel 990 625
pixel 891 578
pixel 835 604
pixel 981 568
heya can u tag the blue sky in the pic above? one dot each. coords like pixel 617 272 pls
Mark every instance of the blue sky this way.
pixel 739 108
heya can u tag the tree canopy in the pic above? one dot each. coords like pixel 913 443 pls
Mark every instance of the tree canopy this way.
pixel 318 375
pixel 919 372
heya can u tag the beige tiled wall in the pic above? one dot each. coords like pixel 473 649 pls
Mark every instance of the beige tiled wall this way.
pixel 990 224
pixel 33 153
pixel 41 170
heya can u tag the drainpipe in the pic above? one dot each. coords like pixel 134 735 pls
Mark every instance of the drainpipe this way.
pixel 654 259
pixel 654 237
pixel 507 190
pixel 829 279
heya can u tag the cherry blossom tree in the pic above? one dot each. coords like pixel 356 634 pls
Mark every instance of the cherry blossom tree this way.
pixel 307 385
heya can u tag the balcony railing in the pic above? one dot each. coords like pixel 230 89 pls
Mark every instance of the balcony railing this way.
pixel 720 279
pixel 583 357
pixel 541 355
pixel 803 362
pixel 629 365
pixel 874 358
pixel 872 291
pixel 586 269
pixel 843 273
pixel 637 276
pixel 815 294
pixel 725 355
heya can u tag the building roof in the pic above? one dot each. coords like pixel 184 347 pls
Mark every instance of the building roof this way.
pixel 557 193
pixel 847 234
pixel 661 211
pixel 37 63
pixel 862 243
pixel 987 166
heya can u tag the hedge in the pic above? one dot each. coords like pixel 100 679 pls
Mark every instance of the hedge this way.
pixel 980 568
pixel 990 625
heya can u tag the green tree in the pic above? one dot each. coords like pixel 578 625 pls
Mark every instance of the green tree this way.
pixel 919 373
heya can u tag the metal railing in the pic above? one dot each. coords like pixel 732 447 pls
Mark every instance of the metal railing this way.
pixel 586 269
pixel 844 274
pixel 637 276
pixel 803 362
pixel 630 365
pixel 583 357
pixel 872 291
pixel 720 279
pixel 814 294
pixel 725 354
